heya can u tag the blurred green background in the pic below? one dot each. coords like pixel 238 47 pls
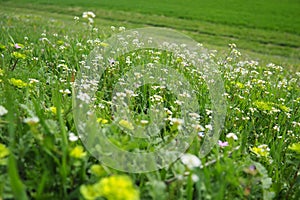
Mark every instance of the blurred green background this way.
pixel 267 30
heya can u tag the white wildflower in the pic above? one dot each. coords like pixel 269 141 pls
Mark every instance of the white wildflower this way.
pixel 232 135
pixel 201 134
pixel 88 14
pixel 66 91
pixel 31 120
pixel 32 80
pixel 84 97
pixel 73 137
pixel 209 127
pixel 122 28
pixel 3 110
pixel 190 160
pixel 195 178
pixel 144 122
pixel 91 20
pixel 276 128
pixel 176 121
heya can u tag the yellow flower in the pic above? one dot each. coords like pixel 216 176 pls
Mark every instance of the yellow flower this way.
pixel 261 150
pixel 238 84
pixel 3 151
pixel 104 44
pixel 2 47
pixel 268 106
pixel 53 110
pixel 98 170
pixel 117 187
pixel 126 124
pixel 284 108
pixel 18 55
pixel 179 60
pixel 88 192
pixel 1 72
pixel 78 152
pixel 17 82
pixel 102 121
pixel 60 42
pixel 295 147
pixel 265 106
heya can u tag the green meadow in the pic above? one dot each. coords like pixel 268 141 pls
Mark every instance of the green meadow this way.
pixel 45 48
pixel 262 29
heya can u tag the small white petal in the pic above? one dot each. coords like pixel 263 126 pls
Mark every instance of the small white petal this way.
pixel 195 178
pixel 191 161
pixel 232 135
pixel 3 110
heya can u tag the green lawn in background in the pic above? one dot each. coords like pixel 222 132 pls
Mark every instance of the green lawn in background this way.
pixel 266 30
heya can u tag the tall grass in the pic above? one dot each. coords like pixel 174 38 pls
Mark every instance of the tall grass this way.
pixel 41 156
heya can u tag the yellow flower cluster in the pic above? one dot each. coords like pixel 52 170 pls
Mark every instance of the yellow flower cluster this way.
pixel 265 106
pixel 117 187
pixel 102 121
pixel 2 47
pixel 104 44
pixel 53 110
pixel 126 124
pixel 98 170
pixel 17 82
pixel 261 150
pixel 268 106
pixel 18 55
pixel 238 84
pixel 78 152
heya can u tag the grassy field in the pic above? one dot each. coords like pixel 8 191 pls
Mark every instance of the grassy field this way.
pixel 267 30
pixel 43 49
pixel 271 14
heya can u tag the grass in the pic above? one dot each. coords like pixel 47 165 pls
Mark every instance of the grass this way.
pixel 273 15
pixel 262 31
pixel 41 156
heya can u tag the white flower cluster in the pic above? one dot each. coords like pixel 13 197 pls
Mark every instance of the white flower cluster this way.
pixel 89 15
pixel 190 160
pixel 31 120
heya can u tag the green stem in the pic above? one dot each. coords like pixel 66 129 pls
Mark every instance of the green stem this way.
pixel 189 189
pixel 14 65
pixel 292 183
pixel 18 188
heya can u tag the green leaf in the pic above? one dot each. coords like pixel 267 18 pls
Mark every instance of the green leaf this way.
pixel 17 186
pixel 295 147
pixel 2 47
pixel 265 180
